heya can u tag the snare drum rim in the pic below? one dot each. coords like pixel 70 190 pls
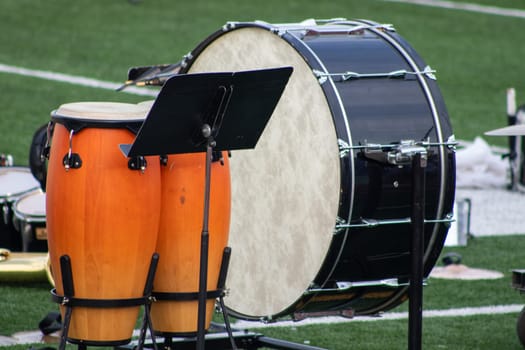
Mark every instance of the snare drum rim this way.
pixel 10 197
pixel 28 218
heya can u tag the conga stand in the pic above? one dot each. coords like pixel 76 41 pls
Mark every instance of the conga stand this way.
pixel 69 302
pixel 209 112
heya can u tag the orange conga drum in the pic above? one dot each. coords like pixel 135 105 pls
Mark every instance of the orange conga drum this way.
pixel 181 220
pixel 102 213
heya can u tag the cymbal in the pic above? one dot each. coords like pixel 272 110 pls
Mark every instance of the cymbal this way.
pixel 512 130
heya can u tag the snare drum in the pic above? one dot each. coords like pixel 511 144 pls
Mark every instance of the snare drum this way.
pixel 320 206
pixel 103 212
pixel 14 183
pixel 30 220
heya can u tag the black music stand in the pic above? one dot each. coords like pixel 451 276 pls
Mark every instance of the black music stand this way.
pixel 205 112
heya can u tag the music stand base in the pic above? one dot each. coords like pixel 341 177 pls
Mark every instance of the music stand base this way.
pixel 221 340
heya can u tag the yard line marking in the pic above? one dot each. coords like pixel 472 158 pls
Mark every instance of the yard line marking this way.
pixel 460 312
pixel 492 10
pixel 73 79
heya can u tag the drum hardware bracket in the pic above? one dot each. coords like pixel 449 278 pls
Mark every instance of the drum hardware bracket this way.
pixel 138 163
pixel 349 75
pixel 344 148
pixel 343 286
pixel 187 57
pixel 400 154
pixel 5 213
pixel 371 223
pixel 306 29
pixel 163 160
pixel 300 316
pixel 374 150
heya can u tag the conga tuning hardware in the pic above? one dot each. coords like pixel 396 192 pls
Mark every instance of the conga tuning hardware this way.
pixel 137 163
pixel 71 160
pixel 46 149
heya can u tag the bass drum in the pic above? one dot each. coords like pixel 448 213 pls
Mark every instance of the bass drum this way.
pixel 320 206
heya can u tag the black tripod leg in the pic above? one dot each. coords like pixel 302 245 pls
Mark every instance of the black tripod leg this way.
pixel 148 289
pixel 220 286
pixel 69 292
pixel 65 329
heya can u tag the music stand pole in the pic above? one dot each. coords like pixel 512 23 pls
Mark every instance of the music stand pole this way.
pixel 203 269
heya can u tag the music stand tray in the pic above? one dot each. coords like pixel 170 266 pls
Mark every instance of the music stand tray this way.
pixel 236 105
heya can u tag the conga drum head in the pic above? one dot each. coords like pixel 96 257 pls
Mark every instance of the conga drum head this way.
pixel 92 111
pixel 78 115
pixel 305 200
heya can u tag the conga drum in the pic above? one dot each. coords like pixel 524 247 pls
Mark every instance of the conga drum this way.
pixel 103 212
pixel 176 285
pixel 320 208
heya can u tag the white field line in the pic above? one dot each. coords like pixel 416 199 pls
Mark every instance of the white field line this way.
pixel 460 312
pixel 492 10
pixel 72 79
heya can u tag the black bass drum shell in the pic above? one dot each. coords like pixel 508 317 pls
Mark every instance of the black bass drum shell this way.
pixel 320 218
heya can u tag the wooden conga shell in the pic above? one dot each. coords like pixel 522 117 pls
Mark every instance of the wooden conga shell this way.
pixel 182 209
pixel 105 217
